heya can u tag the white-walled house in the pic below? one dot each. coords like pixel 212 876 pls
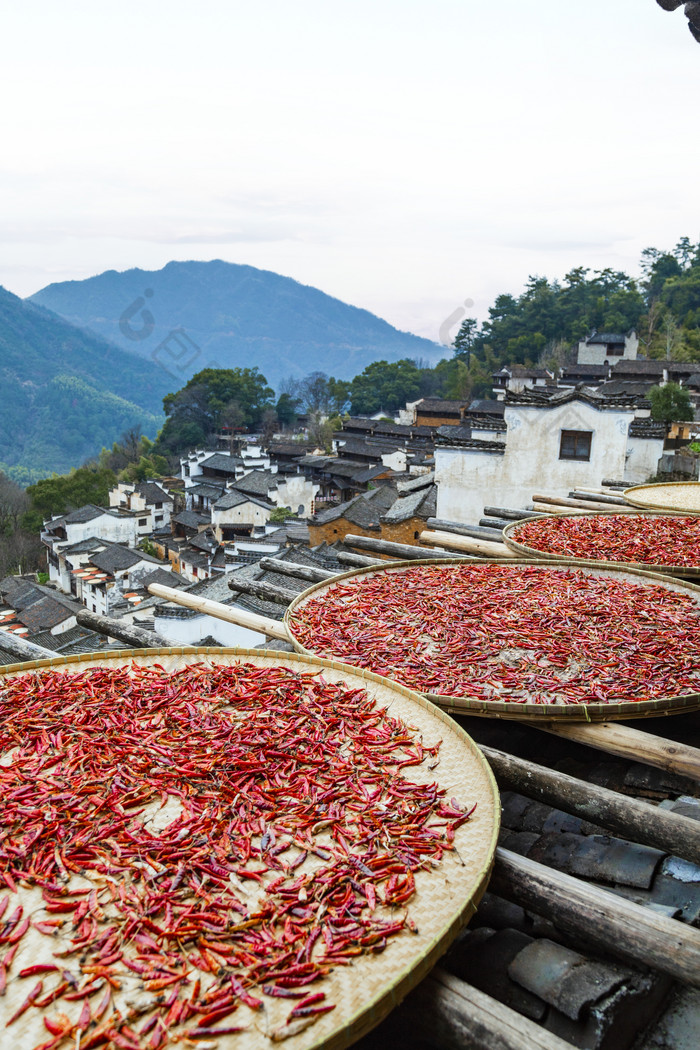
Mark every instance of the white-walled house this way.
pixel 152 505
pixel 88 521
pixel 236 513
pixel 602 348
pixel 551 444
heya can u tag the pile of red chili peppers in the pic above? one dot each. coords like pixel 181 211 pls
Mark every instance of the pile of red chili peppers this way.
pixel 509 633
pixel 283 782
pixel 651 540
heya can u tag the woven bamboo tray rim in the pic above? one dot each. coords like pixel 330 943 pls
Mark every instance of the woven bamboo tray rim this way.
pixel 659 488
pixel 461 705
pixel 367 990
pixel 666 570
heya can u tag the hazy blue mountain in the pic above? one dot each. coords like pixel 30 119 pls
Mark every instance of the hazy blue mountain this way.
pixel 193 315
pixel 67 393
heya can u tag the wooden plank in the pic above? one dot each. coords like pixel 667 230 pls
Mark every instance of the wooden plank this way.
pixel 477 532
pixel 269 592
pixel 400 551
pixel 229 613
pixel 138 637
pixel 626 816
pixel 610 922
pixel 482 548
pixel 311 573
pixel 454 1015
pixel 632 744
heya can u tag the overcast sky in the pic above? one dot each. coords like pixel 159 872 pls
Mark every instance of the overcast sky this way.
pixel 402 156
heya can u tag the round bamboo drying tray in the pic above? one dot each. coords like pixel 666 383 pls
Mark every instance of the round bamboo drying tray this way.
pixel 446 897
pixel 532 552
pixel 682 497
pixel 554 712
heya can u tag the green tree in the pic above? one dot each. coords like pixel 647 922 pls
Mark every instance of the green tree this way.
pixel 385 385
pixel 65 492
pixel 465 339
pixel 669 403
pixel 199 409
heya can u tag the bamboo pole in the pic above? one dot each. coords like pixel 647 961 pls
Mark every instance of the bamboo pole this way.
pixel 610 922
pixel 632 744
pixel 123 632
pixel 482 548
pixel 635 820
pixel 229 613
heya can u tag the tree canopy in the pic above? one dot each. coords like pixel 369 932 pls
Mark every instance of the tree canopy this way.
pixel 213 398
pixel 670 402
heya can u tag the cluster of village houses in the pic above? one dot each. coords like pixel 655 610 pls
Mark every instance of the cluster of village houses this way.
pixel 231 506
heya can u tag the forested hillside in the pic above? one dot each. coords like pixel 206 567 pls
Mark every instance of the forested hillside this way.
pixel 544 323
pixel 65 392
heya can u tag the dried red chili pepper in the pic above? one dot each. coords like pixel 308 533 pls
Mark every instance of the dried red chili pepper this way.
pixel 631 538
pixel 521 634
pixel 250 758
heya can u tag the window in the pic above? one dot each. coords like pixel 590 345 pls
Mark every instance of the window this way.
pixel 575 444
pixel 143 521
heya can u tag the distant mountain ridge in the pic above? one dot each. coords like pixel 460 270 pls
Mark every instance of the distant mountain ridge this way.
pixel 192 315
pixel 67 393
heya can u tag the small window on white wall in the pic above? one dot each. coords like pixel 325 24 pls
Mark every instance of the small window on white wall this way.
pixel 575 444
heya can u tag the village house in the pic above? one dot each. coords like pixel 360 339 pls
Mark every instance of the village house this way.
pixel 438 412
pixel 555 441
pixel 517 378
pixel 148 500
pixel 601 348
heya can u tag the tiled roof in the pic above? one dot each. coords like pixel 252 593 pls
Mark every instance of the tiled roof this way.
pixel 153 493
pixel 257 482
pixel 93 543
pixel 485 405
pixel 234 498
pixel 638 367
pixel 88 513
pixel 436 405
pixel 210 491
pixel 609 338
pixel 420 504
pixel 116 557
pixel 218 461
pixel 565 395
pixel 647 428
pixel 581 370
pixel 190 519
pixel 163 577
pixel 44 614
pixel 420 481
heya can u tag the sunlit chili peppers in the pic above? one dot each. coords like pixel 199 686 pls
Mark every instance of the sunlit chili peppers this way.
pixel 290 844
pixel 631 538
pixel 523 634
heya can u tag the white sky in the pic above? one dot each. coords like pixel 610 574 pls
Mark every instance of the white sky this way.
pixel 403 156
